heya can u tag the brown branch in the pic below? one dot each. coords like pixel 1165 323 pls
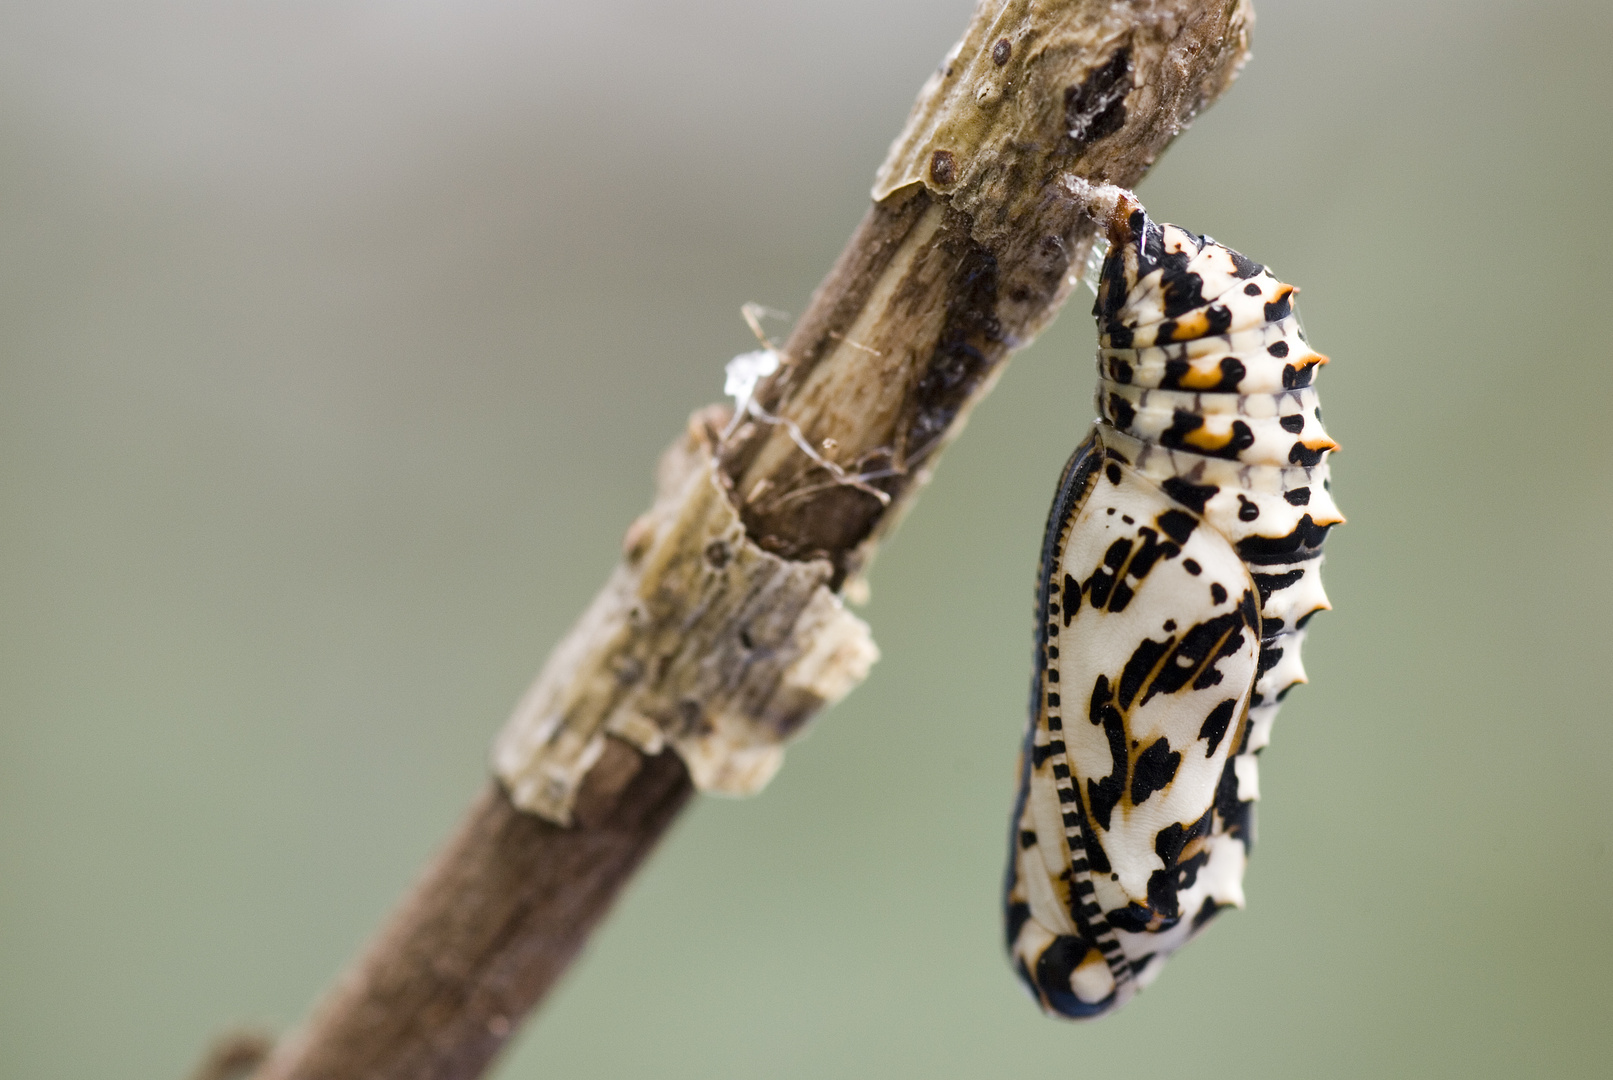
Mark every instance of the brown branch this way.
pixel 233 1056
pixel 495 920
pixel 719 635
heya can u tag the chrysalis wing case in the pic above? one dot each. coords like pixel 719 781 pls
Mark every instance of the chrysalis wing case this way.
pixel 1179 568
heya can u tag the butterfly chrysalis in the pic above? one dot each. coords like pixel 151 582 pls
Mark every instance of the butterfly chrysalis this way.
pixel 1179 568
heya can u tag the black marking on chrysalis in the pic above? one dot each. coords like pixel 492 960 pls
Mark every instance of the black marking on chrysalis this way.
pixel 1191 495
pixel 1155 768
pixel 1215 725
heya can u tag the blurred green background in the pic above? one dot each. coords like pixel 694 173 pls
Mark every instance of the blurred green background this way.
pixel 338 342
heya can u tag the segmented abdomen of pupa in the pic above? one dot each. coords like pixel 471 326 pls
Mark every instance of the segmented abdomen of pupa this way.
pixel 1206 386
pixel 1195 511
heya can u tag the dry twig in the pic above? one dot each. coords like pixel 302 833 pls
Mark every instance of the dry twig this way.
pixel 234 1055
pixel 720 633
